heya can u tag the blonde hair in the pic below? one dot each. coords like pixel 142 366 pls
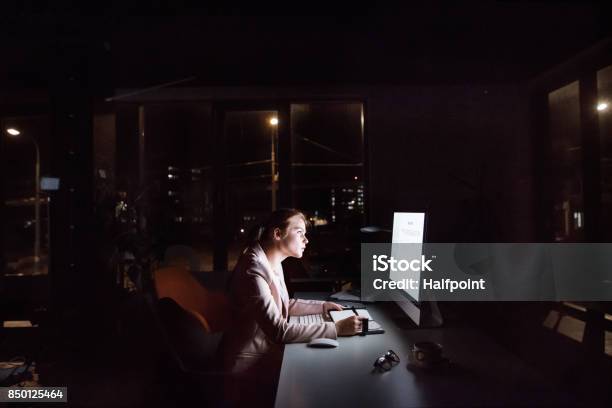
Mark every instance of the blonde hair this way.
pixel 278 219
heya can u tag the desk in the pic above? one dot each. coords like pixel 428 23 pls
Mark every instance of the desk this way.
pixel 482 373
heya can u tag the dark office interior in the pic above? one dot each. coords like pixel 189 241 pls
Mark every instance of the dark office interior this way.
pixel 132 143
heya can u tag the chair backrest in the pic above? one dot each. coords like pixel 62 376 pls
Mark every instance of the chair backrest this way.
pixel 189 344
pixel 209 307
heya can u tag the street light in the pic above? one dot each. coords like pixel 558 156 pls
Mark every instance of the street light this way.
pixel 274 124
pixel 14 133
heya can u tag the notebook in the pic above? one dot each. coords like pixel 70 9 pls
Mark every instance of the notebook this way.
pixel 373 326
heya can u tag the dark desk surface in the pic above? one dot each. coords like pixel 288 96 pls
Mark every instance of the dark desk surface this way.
pixel 481 374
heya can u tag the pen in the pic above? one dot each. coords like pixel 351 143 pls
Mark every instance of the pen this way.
pixel 365 322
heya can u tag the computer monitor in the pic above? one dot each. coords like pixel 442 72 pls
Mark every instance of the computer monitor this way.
pixel 409 228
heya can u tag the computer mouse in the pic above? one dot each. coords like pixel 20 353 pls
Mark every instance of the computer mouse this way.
pixel 323 343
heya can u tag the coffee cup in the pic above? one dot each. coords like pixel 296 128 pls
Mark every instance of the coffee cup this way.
pixel 425 354
pixel 365 323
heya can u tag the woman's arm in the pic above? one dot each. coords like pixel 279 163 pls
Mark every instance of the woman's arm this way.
pixel 300 307
pixel 255 297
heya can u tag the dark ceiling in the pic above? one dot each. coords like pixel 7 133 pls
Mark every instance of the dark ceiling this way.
pixel 440 43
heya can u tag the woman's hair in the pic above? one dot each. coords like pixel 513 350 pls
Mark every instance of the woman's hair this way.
pixel 278 219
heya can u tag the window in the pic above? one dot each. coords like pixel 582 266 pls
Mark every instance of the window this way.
pixel 564 125
pixel 26 232
pixel 328 183
pixel 604 111
pixel 178 173
pixel 251 172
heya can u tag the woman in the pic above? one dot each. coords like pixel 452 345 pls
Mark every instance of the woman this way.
pixel 261 305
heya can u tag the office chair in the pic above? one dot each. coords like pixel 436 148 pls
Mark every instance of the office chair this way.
pixel 209 307
pixel 192 346
pixel 190 364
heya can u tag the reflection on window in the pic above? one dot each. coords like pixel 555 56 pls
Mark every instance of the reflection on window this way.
pixel 604 109
pixel 564 122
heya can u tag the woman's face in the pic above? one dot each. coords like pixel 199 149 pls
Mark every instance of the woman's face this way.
pixel 294 242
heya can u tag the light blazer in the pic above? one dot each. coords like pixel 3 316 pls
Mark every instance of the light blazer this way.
pixel 260 308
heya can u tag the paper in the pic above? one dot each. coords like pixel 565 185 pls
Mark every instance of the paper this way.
pixel 345 296
pixel 343 314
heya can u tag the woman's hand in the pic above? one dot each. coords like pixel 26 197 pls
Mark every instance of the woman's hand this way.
pixel 345 327
pixel 349 326
pixel 327 306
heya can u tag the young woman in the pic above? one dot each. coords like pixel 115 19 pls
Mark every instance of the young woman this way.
pixel 260 303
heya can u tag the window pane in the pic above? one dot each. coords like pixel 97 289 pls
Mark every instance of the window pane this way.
pixel 19 228
pixel 251 193
pixel 564 122
pixel 604 108
pixel 178 157
pixel 328 183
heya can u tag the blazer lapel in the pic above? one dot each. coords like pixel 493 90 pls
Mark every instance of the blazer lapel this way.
pixel 273 280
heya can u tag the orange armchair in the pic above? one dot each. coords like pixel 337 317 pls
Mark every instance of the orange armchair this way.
pixel 209 307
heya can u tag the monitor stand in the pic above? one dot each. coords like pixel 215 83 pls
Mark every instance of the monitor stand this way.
pixel 412 315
